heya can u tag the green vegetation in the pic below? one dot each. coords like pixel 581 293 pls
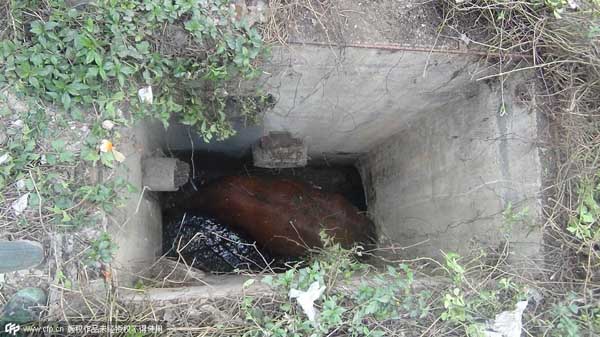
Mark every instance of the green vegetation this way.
pixel 585 224
pixel 40 161
pixel 64 70
pixel 101 250
pixel 360 301
pixel 95 58
pixel 69 74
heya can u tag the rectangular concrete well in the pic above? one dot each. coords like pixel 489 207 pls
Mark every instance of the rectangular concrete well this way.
pixel 445 159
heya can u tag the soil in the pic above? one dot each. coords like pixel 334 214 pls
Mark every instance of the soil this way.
pixel 411 22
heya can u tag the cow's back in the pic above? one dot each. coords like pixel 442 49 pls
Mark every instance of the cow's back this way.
pixel 283 216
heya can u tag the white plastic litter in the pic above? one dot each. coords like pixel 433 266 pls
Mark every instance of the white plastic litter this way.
pixel 20 204
pixel 4 158
pixel 20 184
pixel 108 124
pixel 507 323
pixel 306 299
pixel 17 124
pixel 573 4
pixel 145 95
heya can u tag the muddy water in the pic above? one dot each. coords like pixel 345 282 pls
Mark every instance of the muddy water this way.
pixel 208 244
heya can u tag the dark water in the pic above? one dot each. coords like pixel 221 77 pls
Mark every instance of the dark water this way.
pixel 208 244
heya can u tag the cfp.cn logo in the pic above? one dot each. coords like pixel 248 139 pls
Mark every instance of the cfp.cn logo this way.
pixel 12 328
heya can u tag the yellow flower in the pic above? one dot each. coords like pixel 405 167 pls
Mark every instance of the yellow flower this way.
pixel 107 146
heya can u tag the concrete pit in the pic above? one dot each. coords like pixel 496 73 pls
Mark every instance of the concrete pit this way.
pixel 218 246
pixel 441 155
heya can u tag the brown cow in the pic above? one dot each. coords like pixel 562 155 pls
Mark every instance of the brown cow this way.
pixel 283 216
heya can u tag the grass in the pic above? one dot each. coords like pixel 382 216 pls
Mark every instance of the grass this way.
pixel 454 298
pixel 560 39
pixel 98 58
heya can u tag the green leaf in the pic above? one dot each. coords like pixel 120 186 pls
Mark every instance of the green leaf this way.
pixel 90 57
pixel 67 283
pixel 50 25
pixel 34 200
pixel 76 88
pixel 585 215
pixel 372 308
pixel 51 159
pixel 37 28
pixel 37 59
pixel 107 158
pixel 127 70
pixel 65 156
pixel 66 217
pixel 103 245
pixel 102 73
pixel 66 100
pixel 34 82
pixel 58 145
pixel 92 72
pixel 73 13
pixel 98 59
pixel 248 283
pixel 143 47
pixel 268 280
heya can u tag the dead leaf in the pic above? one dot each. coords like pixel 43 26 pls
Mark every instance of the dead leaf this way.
pixel 118 156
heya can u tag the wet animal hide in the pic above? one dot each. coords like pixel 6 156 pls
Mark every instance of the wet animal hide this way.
pixel 283 216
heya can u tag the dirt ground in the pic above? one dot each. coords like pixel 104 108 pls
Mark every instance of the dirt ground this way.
pixel 410 23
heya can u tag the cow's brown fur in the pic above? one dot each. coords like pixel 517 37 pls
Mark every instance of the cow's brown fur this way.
pixel 283 216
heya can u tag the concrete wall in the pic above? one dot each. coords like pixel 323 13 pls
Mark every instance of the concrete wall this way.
pixel 443 181
pixel 137 227
pixel 179 137
pixel 345 101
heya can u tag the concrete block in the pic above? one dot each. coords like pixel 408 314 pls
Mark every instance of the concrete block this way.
pixel 164 174
pixel 279 150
